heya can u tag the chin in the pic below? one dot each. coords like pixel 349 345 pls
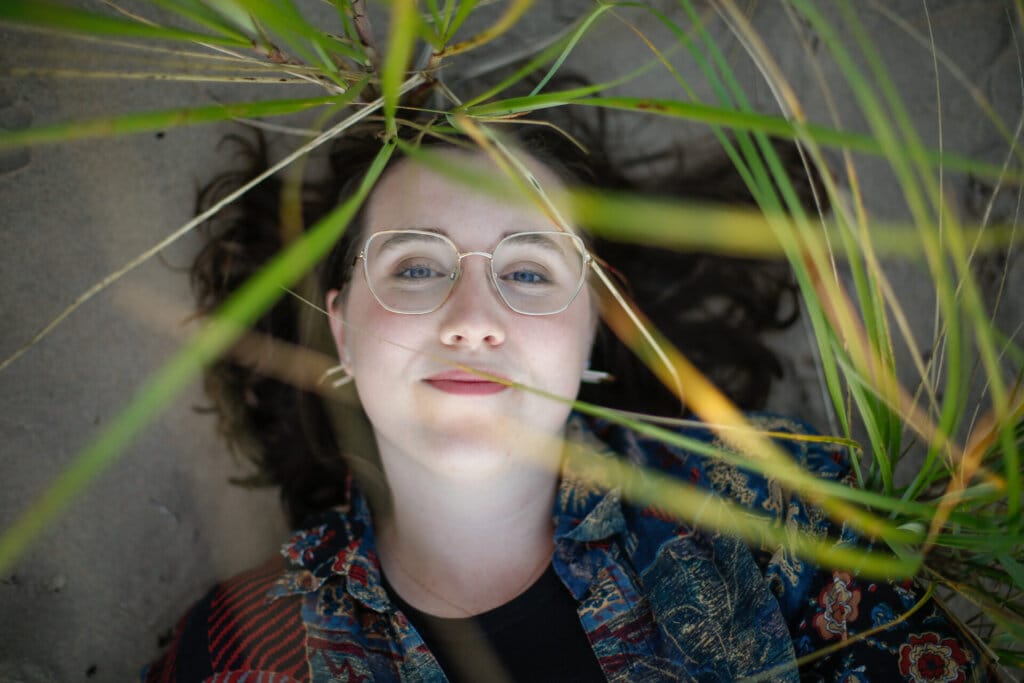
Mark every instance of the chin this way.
pixel 468 465
pixel 495 423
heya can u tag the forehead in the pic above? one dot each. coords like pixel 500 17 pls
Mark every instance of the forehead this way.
pixel 411 195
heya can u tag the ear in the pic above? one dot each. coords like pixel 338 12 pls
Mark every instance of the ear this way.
pixel 336 320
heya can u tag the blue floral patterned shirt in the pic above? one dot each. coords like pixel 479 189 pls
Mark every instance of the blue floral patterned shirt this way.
pixel 658 600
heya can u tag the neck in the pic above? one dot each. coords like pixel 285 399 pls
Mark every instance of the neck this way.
pixel 458 546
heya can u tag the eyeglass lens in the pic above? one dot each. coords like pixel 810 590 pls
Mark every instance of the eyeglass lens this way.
pixel 536 273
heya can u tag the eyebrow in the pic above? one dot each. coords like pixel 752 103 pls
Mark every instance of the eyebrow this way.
pixel 529 237
pixel 403 237
pixel 540 240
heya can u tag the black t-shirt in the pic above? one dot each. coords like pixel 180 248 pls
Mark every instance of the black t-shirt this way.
pixel 536 636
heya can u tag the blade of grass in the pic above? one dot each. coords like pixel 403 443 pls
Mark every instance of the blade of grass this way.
pixel 49 15
pixel 966 291
pixel 156 120
pixel 285 20
pixel 513 13
pixel 454 20
pixel 401 39
pixel 230 322
pixel 559 49
pixel 237 13
pixel 169 76
pixel 261 43
pixel 763 181
pixel 565 48
pixel 203 15
pixel 531 67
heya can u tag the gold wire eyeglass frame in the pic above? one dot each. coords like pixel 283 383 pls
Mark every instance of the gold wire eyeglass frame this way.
pixel 454 275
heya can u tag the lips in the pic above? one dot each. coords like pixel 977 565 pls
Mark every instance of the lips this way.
pixel 465 383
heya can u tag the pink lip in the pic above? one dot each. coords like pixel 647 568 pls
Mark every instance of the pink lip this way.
pixel 462 382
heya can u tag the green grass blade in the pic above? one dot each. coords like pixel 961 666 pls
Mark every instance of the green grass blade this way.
pixel 237 12
pixel 202 15
pixel 434 27
pixel 566 47
pixel 435 15
pixel 348 27
pixel 403 28
pixel 1013 568
pixel 230 322
pixel 549 53
pixel 153 121
pixel 45 14
pixel 458 18
pixel 513 13
pixel 284 20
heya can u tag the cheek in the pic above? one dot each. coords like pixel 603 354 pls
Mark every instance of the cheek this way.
pixel 563 349
pixel 368 329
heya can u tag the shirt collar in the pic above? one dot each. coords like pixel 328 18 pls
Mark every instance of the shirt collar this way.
pixel 340 542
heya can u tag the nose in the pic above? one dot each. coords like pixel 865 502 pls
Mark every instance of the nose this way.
pixel 473 315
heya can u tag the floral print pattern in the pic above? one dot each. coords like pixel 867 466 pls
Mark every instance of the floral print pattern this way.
pixel 840 603
pixel 930 658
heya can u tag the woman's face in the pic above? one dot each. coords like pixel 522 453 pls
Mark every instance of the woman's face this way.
pixel 405 365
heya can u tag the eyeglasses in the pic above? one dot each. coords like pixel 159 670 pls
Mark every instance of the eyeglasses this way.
pixel 414 271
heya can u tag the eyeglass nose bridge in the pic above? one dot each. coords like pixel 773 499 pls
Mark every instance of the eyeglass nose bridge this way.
pixel 461 255
pixel 456 273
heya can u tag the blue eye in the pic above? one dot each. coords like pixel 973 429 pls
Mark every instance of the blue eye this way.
pixel 418 272
pixel 526 277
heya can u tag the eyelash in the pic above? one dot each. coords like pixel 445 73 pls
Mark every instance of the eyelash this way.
pixel 404 272
pixel 540 279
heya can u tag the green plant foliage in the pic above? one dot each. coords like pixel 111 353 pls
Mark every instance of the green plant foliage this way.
pixel 957 522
